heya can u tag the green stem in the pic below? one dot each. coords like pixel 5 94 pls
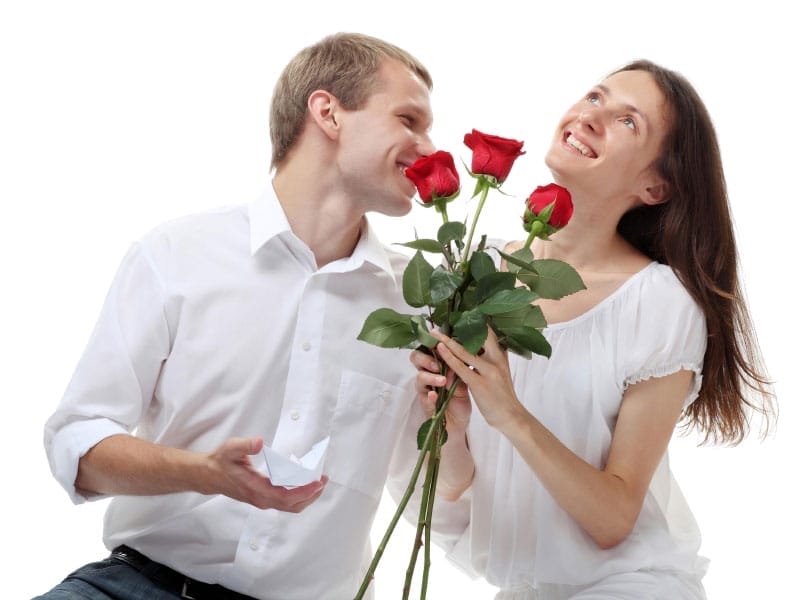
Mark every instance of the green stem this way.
pixel 441 208
pixel 426 445
pixel 536 229
pixel 421 522
pixel 484 192
pixel 435 457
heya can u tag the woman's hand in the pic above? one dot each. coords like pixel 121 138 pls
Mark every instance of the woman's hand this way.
pixel 487 376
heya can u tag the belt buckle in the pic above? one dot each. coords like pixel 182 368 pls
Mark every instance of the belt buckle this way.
pixel 185 591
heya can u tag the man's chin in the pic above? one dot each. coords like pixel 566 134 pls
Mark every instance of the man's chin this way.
pixel 396 208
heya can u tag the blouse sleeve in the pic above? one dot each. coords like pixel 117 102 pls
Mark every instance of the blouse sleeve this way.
pixel 665 333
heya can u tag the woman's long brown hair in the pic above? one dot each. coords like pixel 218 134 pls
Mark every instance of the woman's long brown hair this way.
pixel 692 232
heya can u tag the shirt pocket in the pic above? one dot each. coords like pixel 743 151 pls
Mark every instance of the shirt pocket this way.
pixel 369 417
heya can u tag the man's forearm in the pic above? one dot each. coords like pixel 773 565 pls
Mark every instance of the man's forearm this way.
pixel 457 468
pixel 127 465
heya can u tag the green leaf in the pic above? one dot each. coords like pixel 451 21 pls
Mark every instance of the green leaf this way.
pixel 526 316
pixel 480 183
pixel 439 315
pixel 480 265
pixel 492 283
pixel 471 331
pixel 469 299
pixel 530 339
pixel 388 329
pixel 422 433
pixel 515 263
pixel 512 346
pixel 553 279
pixel 422 332
pixel 426 245
pixel 443 284
pixel 452 230
pixel 417 281
pixel 524 254
pixel 507 300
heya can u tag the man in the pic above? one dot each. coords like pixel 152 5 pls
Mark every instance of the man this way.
pixel 227 331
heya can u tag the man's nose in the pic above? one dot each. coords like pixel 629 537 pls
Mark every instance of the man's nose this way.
pixel 425 145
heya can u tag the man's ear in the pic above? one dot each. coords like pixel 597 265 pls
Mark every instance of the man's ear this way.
pixel 323 109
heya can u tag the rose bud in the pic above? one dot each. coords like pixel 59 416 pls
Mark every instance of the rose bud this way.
pixel 548 209
pixel 492 155
pixel 552 193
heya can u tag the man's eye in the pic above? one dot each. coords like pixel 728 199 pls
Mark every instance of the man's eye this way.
pixel 593 98
pixel 629 122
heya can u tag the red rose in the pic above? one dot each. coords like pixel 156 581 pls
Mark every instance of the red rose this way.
pixel 492 155
pixel 434 174
pixel 545 195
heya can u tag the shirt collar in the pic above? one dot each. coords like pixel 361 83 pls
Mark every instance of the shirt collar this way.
pixel 268 220
pixel 370 249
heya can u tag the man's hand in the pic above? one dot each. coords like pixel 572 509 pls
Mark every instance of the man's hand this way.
pixel 429 377
pixel 235 477
pixel 126 465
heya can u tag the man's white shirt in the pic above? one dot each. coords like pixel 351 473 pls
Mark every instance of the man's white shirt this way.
pixel 220 325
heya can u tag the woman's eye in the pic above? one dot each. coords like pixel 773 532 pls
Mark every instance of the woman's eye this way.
pixel 407 121
pixel 629 122
pixel 593 98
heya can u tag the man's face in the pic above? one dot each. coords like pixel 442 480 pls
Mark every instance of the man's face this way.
pixel 384 137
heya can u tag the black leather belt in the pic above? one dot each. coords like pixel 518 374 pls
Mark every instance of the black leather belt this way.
pixel 177 583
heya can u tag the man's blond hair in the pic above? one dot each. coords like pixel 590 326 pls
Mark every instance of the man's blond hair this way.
pixel 344 64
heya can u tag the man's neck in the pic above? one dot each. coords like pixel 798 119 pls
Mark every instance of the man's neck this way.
pixel 319 214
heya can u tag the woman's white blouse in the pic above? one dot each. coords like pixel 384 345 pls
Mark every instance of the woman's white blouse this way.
pixel 508 528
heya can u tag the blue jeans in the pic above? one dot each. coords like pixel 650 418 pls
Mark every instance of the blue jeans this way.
pixel 108 579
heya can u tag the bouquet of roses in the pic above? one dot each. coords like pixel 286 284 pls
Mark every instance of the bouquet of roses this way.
pixel 465 295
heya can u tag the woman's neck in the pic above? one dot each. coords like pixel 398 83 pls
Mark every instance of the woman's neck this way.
pixel 591 247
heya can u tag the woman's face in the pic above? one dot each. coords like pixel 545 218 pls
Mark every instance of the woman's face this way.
pixel 607 143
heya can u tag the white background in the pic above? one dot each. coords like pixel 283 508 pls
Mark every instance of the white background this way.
pixel 115 116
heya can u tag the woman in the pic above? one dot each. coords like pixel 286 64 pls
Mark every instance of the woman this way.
pixel 570 493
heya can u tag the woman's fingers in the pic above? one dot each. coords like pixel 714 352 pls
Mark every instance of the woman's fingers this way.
pixel 466 362
pixel 492 349
pixel 459 367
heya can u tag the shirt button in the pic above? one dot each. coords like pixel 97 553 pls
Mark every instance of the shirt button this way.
pixel 385 395
pixel 253 545
pixel 306 346
pixel 295 415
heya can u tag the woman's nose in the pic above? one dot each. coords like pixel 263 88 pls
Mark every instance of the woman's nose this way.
pixel 591 119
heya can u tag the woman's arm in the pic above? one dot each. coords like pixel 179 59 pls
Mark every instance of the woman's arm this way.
pixel 605 502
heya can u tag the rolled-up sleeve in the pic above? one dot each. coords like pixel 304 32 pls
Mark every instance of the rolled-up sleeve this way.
pixel 116 376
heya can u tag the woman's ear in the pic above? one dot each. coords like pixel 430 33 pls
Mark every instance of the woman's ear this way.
pixel 322 109
pixel 657 193
pixel 652 188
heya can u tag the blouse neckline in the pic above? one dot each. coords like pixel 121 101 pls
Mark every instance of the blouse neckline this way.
pixel 607 300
